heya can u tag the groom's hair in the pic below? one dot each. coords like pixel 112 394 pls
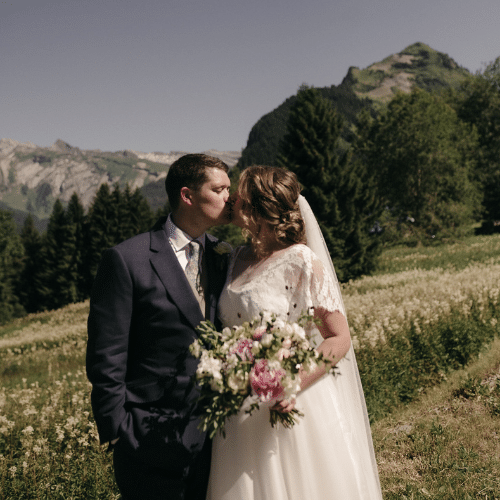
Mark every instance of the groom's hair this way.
pixel 189 171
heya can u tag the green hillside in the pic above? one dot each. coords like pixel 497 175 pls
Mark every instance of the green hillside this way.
pixel 426 334
pixel 371 88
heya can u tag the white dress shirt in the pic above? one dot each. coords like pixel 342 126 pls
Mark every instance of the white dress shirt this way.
pixel 180 242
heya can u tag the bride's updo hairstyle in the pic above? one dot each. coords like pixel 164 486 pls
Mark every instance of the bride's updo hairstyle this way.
pixel 271 195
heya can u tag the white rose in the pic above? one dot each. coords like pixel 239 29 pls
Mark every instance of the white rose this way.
pixel 209 366
pixel 267 339
pixel 231 361
pixel 299 331
pixel 287 330
pixel 256 347
pixel 279 323
pixel 238 381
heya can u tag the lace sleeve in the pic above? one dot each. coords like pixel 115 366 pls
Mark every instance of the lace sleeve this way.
pixel 323 292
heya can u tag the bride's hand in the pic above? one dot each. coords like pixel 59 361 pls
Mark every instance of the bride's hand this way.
pixel 284 406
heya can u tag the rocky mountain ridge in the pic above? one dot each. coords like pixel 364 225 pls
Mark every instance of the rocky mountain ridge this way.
pixel 33 177
pixel 371 88
pixel 418 65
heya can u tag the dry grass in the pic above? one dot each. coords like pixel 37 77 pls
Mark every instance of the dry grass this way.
pixel 447 444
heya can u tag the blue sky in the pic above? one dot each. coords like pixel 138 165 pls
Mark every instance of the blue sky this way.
pixel 192 75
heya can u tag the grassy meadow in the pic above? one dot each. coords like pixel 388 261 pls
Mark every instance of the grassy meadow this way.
pixel 426 330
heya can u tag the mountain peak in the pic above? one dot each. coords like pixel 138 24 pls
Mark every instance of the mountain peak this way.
pixel 418 65
pixel 63 147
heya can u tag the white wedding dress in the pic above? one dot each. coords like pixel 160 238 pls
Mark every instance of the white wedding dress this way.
pixel 329 453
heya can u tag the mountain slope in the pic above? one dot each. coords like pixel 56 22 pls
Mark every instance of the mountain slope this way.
pixel 33 177
pixel 418 65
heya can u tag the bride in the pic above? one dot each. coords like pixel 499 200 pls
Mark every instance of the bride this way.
pixel 328 454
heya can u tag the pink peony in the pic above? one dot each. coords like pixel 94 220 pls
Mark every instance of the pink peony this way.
pixel 244 349
pixel 259 331
pixel 266 383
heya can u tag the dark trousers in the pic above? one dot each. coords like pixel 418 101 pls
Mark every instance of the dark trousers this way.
pixel 139 481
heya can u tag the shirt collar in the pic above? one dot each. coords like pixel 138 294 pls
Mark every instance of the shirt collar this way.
pixel 178 238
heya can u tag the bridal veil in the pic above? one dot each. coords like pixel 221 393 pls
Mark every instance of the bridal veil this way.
pixel 347 381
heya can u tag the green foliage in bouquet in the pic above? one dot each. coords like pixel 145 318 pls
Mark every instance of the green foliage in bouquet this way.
pixel 243 366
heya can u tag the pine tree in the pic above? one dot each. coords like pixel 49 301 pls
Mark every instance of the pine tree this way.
pixel 139 218
pixel 75 215
pixel 100 232
pixel 11 255
pixel 339 190
pixel 113 217
pixel 58 276
pixel 30 274
pixel 119 217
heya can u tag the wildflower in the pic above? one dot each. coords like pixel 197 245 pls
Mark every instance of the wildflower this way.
pixel 28 431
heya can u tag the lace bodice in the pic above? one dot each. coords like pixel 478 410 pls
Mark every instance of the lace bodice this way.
pixel 287 283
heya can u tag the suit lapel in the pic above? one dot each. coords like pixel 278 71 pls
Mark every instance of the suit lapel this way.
pixel 210 297
pixel 168 269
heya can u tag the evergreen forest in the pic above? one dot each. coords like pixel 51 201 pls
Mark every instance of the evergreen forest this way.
pixel 46 271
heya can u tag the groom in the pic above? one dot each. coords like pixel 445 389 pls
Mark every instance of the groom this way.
pixel 149 294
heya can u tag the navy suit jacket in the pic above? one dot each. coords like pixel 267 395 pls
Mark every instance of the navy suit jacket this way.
pixel 142 319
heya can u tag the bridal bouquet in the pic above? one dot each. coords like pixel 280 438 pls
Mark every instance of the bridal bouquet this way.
pixel 256 362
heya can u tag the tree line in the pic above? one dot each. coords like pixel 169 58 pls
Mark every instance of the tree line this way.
pixel 49 270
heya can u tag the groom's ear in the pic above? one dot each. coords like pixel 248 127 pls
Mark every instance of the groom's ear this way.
pixel 186 196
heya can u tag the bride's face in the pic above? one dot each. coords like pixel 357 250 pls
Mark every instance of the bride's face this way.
pixel 236 210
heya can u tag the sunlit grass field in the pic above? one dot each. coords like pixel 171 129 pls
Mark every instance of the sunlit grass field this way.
pixel 426 333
